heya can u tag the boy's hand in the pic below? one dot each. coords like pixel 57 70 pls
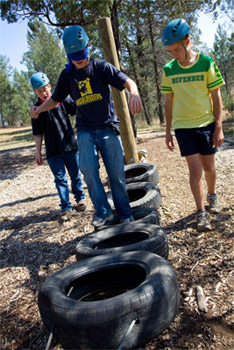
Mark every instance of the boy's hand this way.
pixel 218 137
pixel 34 112
pixel 135 104
pixel 39 158
pixel 169 142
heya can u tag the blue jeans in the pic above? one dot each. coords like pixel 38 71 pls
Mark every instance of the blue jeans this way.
pixel 105 141
pixel 69 160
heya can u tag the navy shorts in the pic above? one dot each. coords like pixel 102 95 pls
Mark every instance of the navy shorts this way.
pixel 196 140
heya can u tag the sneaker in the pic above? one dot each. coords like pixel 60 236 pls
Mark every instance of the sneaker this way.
pixel 202 221
pixel 214 206
pixel 80 206
pixel 65 215
pixel 97 222
pixel 126 220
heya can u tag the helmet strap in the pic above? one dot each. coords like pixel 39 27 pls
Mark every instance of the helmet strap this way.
pixel 182 41
pixel 186 50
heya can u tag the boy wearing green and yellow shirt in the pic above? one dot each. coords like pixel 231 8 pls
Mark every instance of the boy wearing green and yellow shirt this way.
pixel 193 107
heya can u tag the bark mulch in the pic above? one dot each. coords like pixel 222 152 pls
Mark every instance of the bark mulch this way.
pixel 36 244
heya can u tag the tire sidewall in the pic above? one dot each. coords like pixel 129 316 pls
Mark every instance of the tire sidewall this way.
pixel 156 241
pixel 150 173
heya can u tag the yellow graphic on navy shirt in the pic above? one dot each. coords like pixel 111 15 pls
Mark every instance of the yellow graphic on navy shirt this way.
pixel 86 93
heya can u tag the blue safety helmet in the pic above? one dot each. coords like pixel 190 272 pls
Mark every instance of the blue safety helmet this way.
pixel 75 39
pixel 174 31
pixel 39 80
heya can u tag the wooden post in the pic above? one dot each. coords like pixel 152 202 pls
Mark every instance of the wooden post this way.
pixel 120 101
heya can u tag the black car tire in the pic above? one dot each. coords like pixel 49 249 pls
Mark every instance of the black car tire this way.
pixel 141 172
pixel 141 195
pixel 146 215
pixel 123 238
pixel 107 293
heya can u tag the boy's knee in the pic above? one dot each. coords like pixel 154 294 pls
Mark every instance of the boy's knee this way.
pixel 209 167
pixel 195 176
pixel 210 170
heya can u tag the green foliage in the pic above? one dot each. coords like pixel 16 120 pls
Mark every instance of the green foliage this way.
pixel 225 7
pixel 15 96
pixel 228 101
pixel 223 55
pixel 5 89
pixel 22 99
pixel 45 53
pixel 56 12
pixel 137 27
pixel 80 12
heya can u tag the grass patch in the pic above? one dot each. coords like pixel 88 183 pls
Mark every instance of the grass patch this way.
pixel 23 137
pixel 15 138
pixel 142 126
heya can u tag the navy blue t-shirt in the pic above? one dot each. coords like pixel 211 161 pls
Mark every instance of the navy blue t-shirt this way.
pixel 56 128
pixel 90 89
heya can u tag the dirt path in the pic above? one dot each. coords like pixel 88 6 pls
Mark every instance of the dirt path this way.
pixel 35 244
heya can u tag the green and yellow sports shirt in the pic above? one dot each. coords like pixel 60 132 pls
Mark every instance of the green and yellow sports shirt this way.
pixel 192 105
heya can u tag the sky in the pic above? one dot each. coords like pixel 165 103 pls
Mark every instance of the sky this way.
pixel 13 38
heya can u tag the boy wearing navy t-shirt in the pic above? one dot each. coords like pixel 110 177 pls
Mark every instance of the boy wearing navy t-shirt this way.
pixel 88 82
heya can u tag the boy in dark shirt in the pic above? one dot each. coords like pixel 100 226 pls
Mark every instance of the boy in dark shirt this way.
pixel 88 81
pixel 60 144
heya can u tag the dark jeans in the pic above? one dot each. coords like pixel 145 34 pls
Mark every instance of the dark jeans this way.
pixel 58 166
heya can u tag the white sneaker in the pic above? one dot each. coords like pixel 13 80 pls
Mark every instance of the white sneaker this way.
pixel 202 221
pixel 214 206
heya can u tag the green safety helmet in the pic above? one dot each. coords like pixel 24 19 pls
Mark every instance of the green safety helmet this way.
pixel 174 31
pixel 39 80
pixel 75 39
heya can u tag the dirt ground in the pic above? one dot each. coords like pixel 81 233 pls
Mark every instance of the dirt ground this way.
pixel 35 244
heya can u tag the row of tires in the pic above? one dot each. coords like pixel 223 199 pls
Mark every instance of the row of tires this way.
pixel 121 278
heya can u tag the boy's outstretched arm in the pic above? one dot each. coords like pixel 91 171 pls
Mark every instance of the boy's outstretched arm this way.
pixel 218 136
pixel 46 106
pixel 168 113
pixel 135 104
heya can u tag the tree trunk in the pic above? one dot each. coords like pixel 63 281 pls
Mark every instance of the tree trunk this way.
pixel 146 114
pixel 141 62
pixel 115 28
pixel 156 74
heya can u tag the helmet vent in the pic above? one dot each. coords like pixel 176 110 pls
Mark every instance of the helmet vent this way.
pixel 174 30
pixel 80 36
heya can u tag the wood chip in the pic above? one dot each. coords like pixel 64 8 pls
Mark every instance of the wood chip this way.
pixel 201 301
